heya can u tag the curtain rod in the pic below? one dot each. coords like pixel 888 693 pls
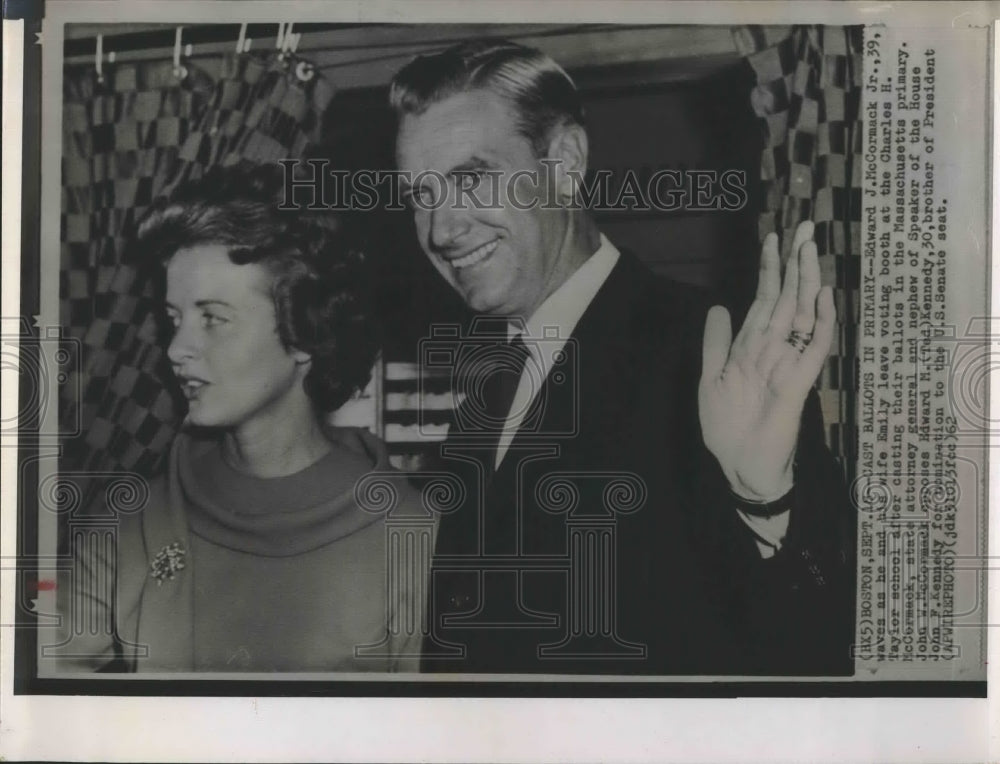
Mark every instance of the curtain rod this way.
pixel 211 40
pixel 200 34
pixel 83 48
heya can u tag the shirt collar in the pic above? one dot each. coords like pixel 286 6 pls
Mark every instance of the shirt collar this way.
pixel 559 314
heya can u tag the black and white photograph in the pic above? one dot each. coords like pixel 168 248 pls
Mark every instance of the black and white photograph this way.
pixel 430 354
pixel 661 498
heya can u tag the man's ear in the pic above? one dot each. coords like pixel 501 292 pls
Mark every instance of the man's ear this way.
pixel 568 149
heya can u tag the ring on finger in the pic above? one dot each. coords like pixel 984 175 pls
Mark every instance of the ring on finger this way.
pixel 799 340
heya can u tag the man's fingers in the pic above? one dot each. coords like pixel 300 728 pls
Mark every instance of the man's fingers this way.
pixel 808 288
pixel 803 233
pixel 798 371
pixel 826 324
pixel 791 290
pixel 784 309
pixel 716 343
pixel 780 306
pixel 768 289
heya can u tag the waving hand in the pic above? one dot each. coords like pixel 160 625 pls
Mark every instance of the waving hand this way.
pixel 753 388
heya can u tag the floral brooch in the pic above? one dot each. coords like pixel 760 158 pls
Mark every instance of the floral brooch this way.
pixel 167 562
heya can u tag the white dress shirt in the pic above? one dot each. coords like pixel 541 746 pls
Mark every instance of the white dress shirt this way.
pixel 553 323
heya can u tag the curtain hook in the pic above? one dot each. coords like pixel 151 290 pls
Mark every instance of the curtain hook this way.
pixel 304 71
pixel 280 42
pixel 295 41
pixel 99 57
pixel 180 71
pixel 242 38
pixel 289 38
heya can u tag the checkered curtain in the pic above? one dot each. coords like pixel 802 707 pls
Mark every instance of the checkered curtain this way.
pixel 127 140
pixel 807 96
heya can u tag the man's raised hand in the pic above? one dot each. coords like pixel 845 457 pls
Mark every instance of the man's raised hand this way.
pixel 753 388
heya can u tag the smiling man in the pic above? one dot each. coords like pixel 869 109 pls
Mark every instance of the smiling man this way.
pixel 732 552
pixel 498 244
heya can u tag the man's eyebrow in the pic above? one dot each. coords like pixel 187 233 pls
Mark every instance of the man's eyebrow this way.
pixel 472 163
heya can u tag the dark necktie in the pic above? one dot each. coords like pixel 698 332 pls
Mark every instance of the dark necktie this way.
pixel 499 388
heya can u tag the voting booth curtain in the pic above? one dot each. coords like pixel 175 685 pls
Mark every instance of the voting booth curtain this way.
pixel 808 97
pixel 129 135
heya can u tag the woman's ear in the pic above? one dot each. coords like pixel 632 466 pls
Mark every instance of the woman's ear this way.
pixel 568 149
pixel 301 357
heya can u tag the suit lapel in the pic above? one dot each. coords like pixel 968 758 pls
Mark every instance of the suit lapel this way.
pixel 599 350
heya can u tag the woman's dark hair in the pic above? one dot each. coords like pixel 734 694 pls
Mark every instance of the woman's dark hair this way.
pixel 321 285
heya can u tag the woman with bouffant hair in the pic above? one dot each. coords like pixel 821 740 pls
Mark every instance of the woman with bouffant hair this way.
pixel 252 553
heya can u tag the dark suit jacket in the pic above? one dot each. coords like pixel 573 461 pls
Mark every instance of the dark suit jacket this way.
pixel 553 568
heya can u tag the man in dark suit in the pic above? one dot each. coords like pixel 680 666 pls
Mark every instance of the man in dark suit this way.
pixel 646 495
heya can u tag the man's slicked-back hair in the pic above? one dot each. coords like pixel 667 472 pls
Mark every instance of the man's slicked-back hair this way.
pixel 540 91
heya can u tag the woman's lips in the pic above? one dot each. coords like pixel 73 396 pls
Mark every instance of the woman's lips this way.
pixel 192 387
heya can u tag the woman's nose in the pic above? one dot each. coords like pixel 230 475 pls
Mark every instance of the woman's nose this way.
pixel 183 345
